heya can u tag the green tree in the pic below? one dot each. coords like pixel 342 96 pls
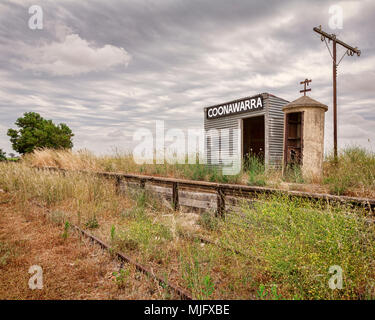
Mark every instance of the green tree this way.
pixel 36 132
pixel 2 155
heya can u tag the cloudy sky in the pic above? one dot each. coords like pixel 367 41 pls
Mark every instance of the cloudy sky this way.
pixel 107 68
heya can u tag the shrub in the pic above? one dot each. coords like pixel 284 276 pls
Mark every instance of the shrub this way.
pixel 294 174
pixel 92 222
pixel 255 168
pixel 208 221
pixel 122 278
pixel 195 275
pixel 354 169
pixel 145 235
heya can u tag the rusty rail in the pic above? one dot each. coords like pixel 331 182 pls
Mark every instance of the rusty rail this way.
pixel 181 292
pixel 184 294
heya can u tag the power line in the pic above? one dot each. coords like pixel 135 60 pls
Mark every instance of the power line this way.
pixel 350 52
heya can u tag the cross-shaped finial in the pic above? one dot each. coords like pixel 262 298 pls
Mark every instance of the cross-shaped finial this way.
pixel 305 83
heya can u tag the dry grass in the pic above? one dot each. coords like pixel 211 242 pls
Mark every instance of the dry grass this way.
pixel 139 231
pixel 285 245
pixel 354 174
pixel 123 162
pixel 82 160
pixel 72 268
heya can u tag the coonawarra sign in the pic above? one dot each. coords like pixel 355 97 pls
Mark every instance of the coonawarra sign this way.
pixel 235 107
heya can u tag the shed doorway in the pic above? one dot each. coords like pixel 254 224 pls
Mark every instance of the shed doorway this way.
pixel 293 139
pixel 253 137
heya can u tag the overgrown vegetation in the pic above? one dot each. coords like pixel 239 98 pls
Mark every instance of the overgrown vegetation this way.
pixel 297 242
pixel 256 171
pixel 92 222
pixel 65 234
pixel 6 253
pixel 354 174
pixel 208 221
pixel 273 248
pixel 293 174
pixel 121 278
pixel 194 272
pixel 79 270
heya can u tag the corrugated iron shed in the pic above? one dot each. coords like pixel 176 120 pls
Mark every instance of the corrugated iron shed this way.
pixel 273 131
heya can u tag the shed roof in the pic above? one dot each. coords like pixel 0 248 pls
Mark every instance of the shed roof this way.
pixel 305 102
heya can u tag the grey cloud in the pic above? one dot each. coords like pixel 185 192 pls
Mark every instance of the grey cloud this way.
pixel 73 56
pixel 185 55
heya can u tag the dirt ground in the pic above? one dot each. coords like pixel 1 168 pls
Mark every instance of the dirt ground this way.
pixel 72 267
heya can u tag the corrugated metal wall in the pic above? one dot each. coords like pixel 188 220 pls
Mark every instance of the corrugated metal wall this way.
pixel 275 129
pixel 273 136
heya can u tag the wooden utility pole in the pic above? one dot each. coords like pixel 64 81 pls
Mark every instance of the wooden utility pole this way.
pixel 350 52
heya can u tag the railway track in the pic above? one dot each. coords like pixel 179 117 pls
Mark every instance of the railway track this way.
pixel 221 191
pixel 181 292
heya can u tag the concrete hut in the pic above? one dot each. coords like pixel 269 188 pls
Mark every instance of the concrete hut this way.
pixel 304 136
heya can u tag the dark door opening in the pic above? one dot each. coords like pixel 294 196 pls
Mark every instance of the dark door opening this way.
pixel 253 137
pixel 293 139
